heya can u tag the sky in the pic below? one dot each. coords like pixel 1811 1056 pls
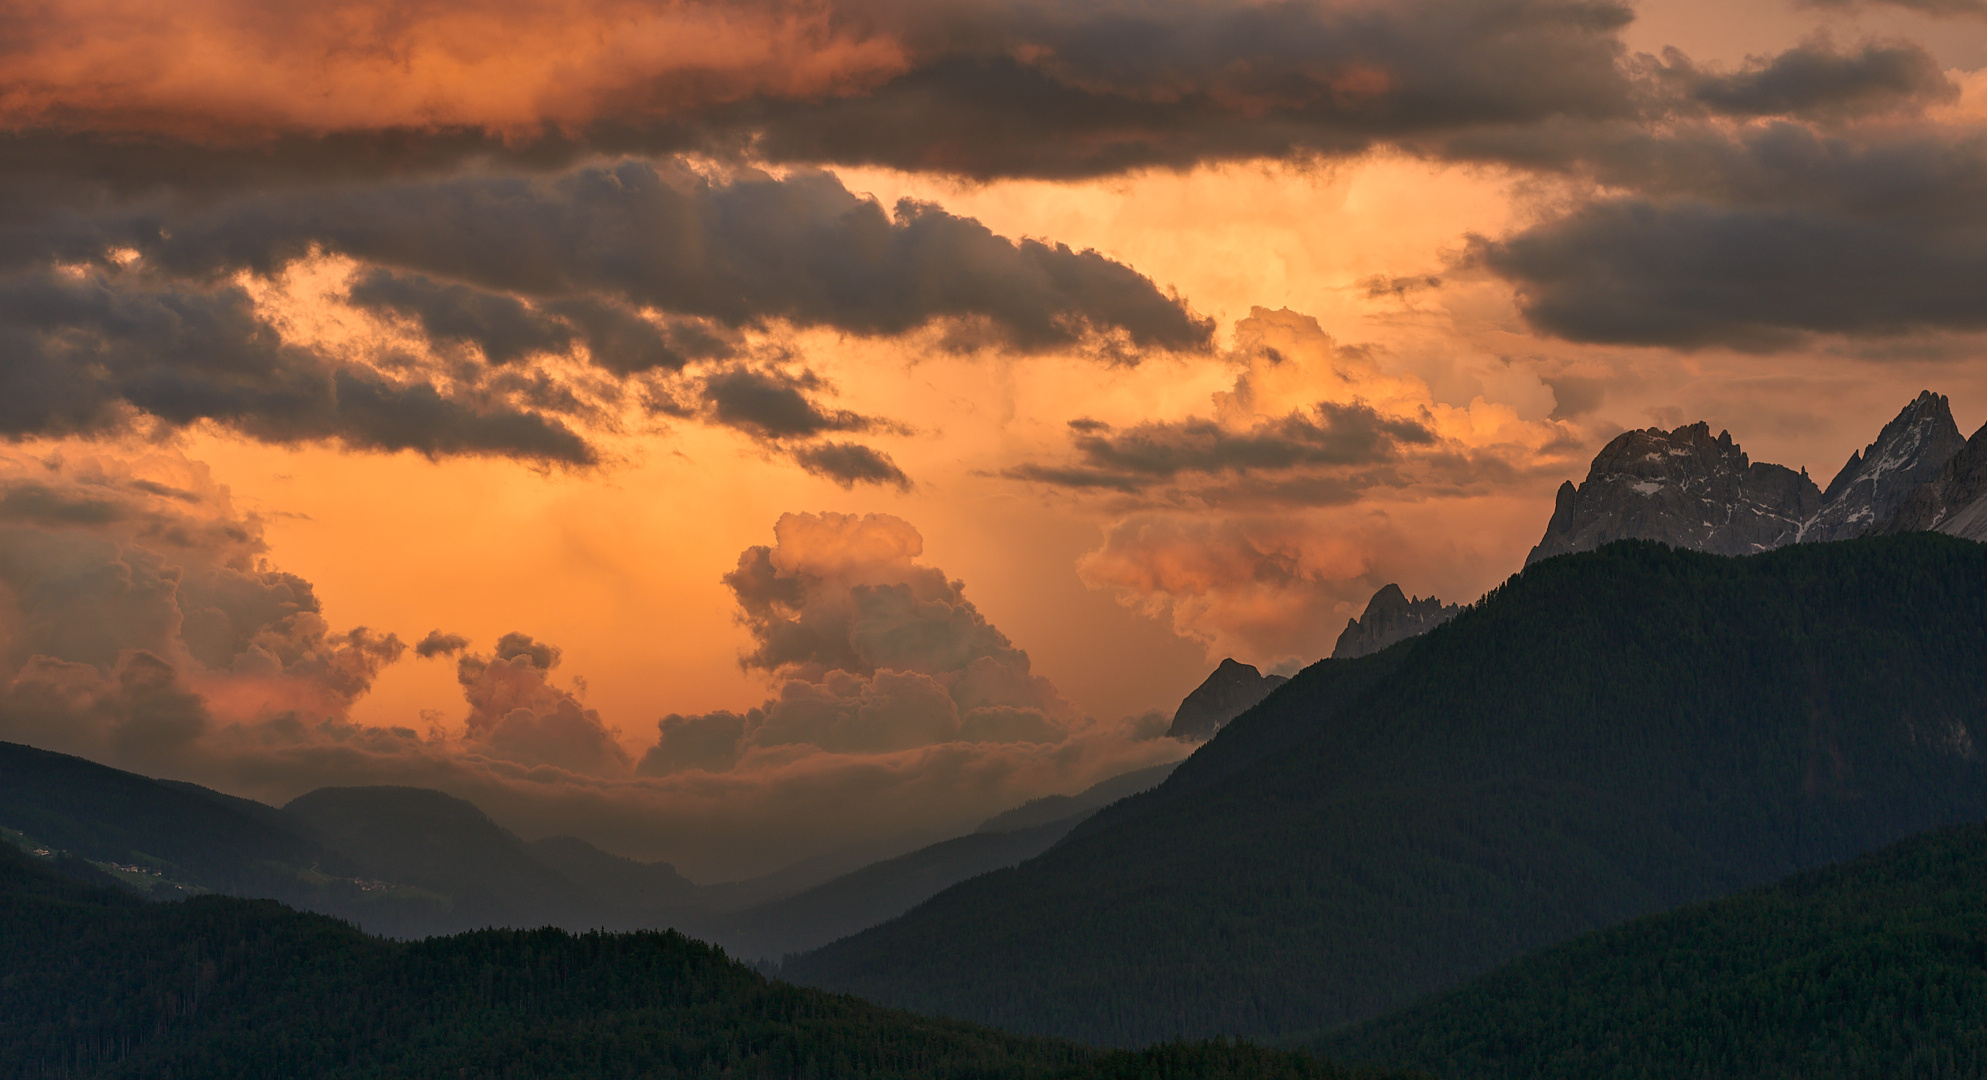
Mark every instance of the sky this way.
pixel 738 432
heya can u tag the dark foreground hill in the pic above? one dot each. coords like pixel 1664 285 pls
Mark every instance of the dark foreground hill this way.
pixel 1874 968
pixel 409 862
pixel 97 983
pixel 1606 735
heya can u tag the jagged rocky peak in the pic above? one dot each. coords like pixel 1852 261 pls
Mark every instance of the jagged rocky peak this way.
pixel 1390 617
pixel 1684 488
pixel 1232 690
pixel 1909 452
pixel 1954 501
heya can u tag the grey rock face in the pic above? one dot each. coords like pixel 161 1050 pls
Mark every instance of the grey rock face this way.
pixel 1954 501
pixel 1689 490
pixel 1390 617
pixel 1870 489
pixel 1233 689
pixel 1685 489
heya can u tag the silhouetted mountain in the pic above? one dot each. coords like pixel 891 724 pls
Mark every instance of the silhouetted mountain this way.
pixel 884 890
pixel 1390 617
pixel 635 887
pixel 410 862
pixel 192 838
pixel 858 901
pixel 1605 735
pixel 1231 690
pixel 398 861
pixel 1910 451
pixel 446 845
pixel 97 984
pixel 1070 809
pixel 1875 968
pixel 1953 502
pixel 167 839
pixel 1682 488
pixel 798 877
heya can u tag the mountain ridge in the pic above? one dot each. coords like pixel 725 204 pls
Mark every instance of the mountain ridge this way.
pixel 1870 488
pixel 1390 616
pixel 1407 820
pixel 1954 502
pixel 1230 690
pixel 1684 488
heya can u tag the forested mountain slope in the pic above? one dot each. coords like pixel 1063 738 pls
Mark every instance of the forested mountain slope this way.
pixel 868 896
pixel 1874 968
pixel 97 983
pixel 171 840
pixel 1608 734
pixel 445 844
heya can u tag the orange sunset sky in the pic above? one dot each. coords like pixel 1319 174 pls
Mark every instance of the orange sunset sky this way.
pixel 732 432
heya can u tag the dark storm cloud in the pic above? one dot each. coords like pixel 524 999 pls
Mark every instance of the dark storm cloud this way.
pixel 1047 89
pixel 502 327
pixel 440 644
pixel 1039 89
pixel 83 352
pixel 1575 395
pixel 1690 274
pixel 505 329
pixel 1682 140
pixel 523 244
pixel 1758 237
pixel 646 268
pixel 1815 80
pixel 523 648
pixel 1156 453
pixel 774 405
pixel 1062 90
pixel 1941 8
pixel 1379 285
pixel 741 252
pixel 849 464
pixel 40 504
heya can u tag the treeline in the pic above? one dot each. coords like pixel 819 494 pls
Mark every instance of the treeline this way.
pixel 1873 969
pixel 96 983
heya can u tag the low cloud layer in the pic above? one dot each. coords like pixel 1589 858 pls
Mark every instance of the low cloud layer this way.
pixel 141 624
pixel 871 651
pixel 516 711
pixel 1274 589
pixel 138 617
